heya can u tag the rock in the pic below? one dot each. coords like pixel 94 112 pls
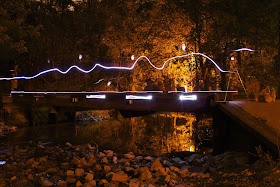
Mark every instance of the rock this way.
pixel 71 180
pixel 61 183
pixel 127 169
pixel 70 173
pixel 148 158
pixel 193 157
pixel 68 144
pixel 146 175
pixel 109 153
pixel 98 167
pixel 205 168
pixel 172 183
pixel 35 164
pixel 184 173
pixel 102 182
pixel 133 184
pixel 175 169
pixel 48 183
pixel 115 159
pixel 200 175
pixel 91 162
pixel 30 177
pixel 104 160
pixel 76 161
pixel 42 159
pixel 160 172
pixel 156 165
pixel 119 177
pixel 51 170
pixel 107 169
pixel 129 156
pixel 40 146
pixel 100 155
pixel 140 170
pixel 167 163
pixel 90 183
pixel 89 177
pixel 167 178
pixel 79 172
pixel 195 162
pixel 79 184
pixel 29 161
pixel 139 158
pixel 126 164
pixel 177 159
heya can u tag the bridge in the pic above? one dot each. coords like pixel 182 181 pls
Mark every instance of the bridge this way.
pixel 145 101
pixel 227 117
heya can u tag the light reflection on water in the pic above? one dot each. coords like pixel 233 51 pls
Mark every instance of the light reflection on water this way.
pixel 154 134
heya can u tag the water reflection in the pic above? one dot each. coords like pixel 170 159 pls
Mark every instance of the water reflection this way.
pixel 155 134
pixel 148 135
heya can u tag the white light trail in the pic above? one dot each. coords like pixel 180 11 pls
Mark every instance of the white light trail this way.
pixel 99 81
pixel 96 96
pixel 116 67
pixel 244 49
pixel 188 97
pixel 98 92
pixel 139 97
pixel 210 91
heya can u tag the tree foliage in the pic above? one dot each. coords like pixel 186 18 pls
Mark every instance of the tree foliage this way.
pixel 41 34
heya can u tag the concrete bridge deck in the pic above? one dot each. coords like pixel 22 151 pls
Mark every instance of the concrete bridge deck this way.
pixel 262 120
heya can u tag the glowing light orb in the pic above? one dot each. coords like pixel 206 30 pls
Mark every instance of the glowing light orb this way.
pixel 80 57
pixel 109 83
pixel 184 47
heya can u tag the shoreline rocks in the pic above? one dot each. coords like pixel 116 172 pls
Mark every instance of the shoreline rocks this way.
pixel 53 165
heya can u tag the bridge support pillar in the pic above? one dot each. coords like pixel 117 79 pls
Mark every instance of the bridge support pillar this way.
pixel 52 116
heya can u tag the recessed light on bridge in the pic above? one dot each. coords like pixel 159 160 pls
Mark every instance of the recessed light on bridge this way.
pixel 188 97
pixel 96 96
pixel 149 97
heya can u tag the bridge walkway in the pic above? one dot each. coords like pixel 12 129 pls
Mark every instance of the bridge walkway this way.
pixel 262 120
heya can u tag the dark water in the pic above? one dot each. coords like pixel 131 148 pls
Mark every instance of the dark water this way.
pixel 154 134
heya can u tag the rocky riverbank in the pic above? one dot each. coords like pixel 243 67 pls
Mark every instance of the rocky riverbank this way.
pixel 45 164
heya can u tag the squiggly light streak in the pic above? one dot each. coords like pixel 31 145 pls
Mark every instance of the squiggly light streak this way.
pixel 188 97
pixel 130 97
pixel 99 81
pixel 244 49
pixel 119 68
